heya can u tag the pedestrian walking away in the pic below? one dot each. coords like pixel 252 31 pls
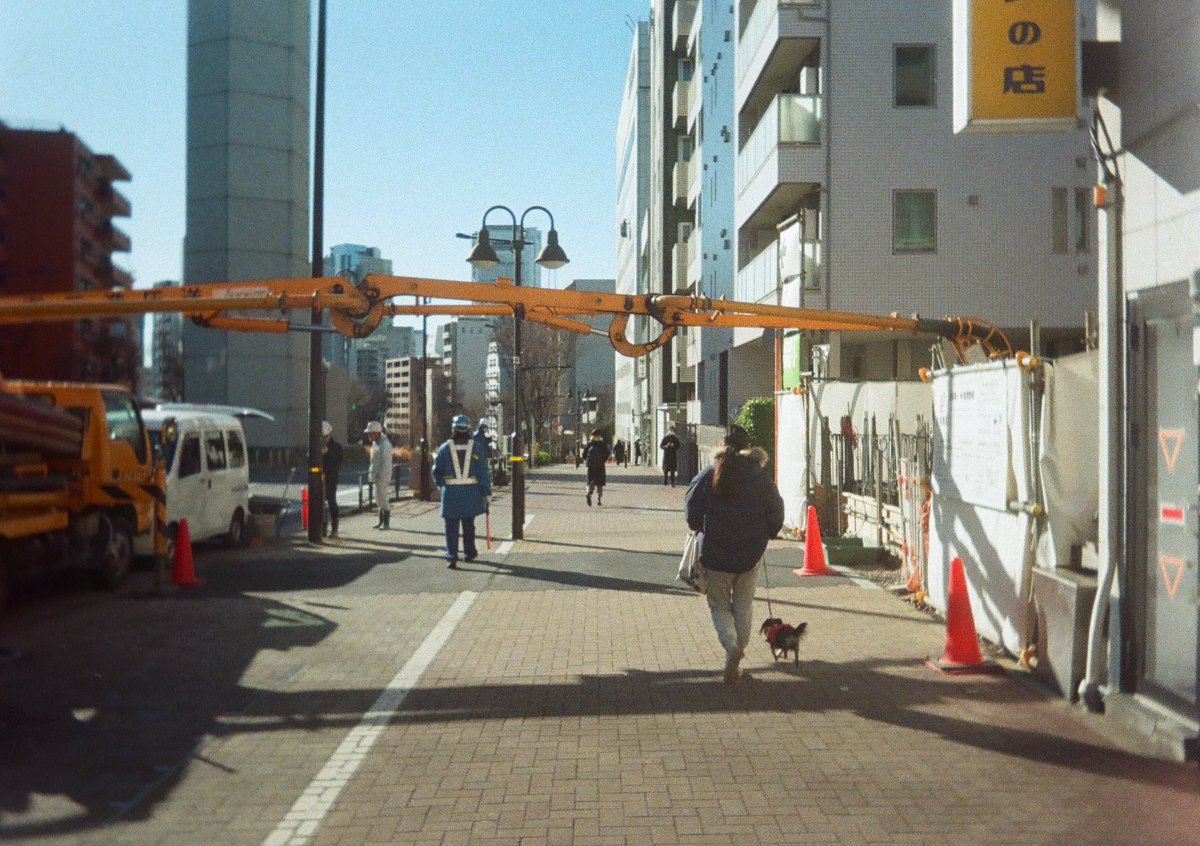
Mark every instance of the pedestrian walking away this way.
pixel 461 473
pixel 670 460
pixel 380 471
pixel 736 508
pixel 637 452
pixel 595 454
pixel 619 452
pixel 331 465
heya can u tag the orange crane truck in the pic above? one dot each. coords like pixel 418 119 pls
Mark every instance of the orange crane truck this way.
pixel 78 480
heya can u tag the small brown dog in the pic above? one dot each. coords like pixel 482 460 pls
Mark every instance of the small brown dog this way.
pixel 783 638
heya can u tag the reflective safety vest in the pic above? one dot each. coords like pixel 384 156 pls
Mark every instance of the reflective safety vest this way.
pixel 462 468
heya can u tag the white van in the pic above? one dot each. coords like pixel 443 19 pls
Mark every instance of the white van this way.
pixel 208 475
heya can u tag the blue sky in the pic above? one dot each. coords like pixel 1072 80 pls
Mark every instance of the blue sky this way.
pixel 435 111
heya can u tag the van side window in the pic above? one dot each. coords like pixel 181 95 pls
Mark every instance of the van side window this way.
pixel 214 450
pixel 189 456
pixel 237 449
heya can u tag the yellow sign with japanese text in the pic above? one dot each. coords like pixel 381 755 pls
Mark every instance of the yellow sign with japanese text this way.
pixel 1015 65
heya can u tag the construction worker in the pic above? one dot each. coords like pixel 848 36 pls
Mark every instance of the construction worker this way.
pixel 461 473
pixel 380 471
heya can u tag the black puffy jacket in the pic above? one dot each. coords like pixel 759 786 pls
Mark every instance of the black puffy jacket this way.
pixel 734 530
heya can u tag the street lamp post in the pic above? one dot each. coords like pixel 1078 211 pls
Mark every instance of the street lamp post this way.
pixel 316 367
pixel 552 257
pixel 424 480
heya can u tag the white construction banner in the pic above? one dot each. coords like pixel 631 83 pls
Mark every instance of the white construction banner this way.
pixel 980 464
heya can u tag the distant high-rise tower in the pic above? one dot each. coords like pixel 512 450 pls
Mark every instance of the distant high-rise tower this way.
pixel 166 353
pixel 247 200
pixel 57 235
pixel 355 262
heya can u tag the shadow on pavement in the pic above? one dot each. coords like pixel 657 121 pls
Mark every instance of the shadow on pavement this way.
pixel 872 690
pixel 101 719
pixel 114 697
pixel 582 579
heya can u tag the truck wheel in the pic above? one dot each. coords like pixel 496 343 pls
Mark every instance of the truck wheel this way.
pixel 236 537
pixel 116 550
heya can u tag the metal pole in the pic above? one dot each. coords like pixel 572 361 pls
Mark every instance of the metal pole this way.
pixel 518 447
pixel 316 398
pixel 424 407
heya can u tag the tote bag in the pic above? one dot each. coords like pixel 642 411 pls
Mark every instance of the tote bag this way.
pixel 691 571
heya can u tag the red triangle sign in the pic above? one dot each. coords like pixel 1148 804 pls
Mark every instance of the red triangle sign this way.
pixel 1170 441
pixel 1166 562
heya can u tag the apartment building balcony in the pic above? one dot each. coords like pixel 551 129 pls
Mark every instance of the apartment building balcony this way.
pixel 107 167
pixel 116 204
pixel 118 241
pixel 681 98
pixel 777 39
pixel 781 162
pixel 681 23
pixel 113 275
pixel 679 267
pixel 758 280
pixel 694 350
pixel 695 169
pixel 694 264
pixel 695 101
pixel 681 179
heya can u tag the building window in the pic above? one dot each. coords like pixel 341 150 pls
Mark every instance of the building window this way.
pixel 914 221
pixel 914 75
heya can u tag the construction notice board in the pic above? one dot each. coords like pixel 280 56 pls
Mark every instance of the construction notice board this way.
pixel 970 437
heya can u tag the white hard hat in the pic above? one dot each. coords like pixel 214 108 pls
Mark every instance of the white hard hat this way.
pixel 374 426
pixel 326 429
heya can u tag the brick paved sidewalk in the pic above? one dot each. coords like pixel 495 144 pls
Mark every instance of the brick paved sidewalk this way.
pixel 598 715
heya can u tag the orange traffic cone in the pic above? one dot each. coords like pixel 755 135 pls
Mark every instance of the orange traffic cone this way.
pixel 962 653
pixel 814 552
pixel 182 571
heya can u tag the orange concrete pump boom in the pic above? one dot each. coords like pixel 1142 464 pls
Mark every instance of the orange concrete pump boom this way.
pixel 356 310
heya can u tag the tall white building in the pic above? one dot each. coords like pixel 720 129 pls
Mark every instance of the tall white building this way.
pixel 631 391
pixel 854 194
pixel 247 201
pixel 463 344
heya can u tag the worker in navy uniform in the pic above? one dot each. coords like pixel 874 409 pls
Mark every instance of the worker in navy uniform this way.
pixel 460 470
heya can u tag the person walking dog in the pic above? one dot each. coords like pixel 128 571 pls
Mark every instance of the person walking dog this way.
pixel 380 471
pixel 461 473
pixel 736 508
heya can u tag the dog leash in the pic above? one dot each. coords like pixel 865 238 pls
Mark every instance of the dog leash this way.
pixel 767 586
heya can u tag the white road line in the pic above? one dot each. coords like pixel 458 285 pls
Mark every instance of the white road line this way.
pixel 318 799
pixel 504 548
pixel 528 520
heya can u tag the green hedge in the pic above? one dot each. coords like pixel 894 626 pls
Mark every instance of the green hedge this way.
pixel 757 416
